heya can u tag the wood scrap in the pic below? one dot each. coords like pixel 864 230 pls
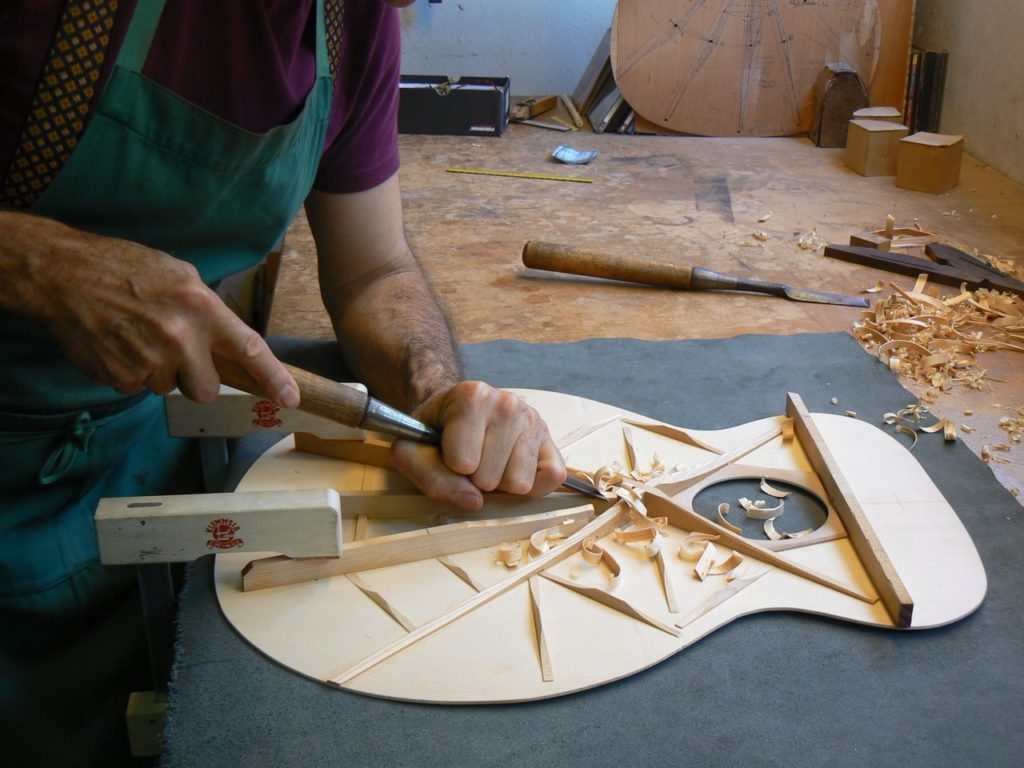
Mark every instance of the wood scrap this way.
pixel 935 340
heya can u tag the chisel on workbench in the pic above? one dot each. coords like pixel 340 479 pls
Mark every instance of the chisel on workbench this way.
pixel 667 274
pixel 355 408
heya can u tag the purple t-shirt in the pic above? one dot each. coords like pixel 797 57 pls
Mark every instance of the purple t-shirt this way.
pixel 250 63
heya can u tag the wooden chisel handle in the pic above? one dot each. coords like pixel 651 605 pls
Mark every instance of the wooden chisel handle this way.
pixel 322 397
pixel 579 261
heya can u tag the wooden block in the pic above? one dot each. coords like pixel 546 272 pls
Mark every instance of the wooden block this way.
pixel 374 449
pixel 168 529
pixel 236 413
pixel 524 110
pixel 838 93
pixel 890 114
pixel 929 162
pixel 872 147
pixel 144 717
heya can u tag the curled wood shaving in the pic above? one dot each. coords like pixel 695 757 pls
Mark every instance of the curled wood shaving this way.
pixel 649 536
pixel 774 535
pixel 936 340
pixel 723 510
pixel 693 545
pixel 772 491
pixel 594 554
pixel 758 511
pixel 852 414
pixel 908 431
pixel 540 541
pixel 760 234
pixel 726 566
pixel 763 219
pixel 511 554
pixel 908 421
pixel 706 561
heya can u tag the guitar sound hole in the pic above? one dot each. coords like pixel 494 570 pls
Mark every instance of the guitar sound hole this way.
pixel 803 510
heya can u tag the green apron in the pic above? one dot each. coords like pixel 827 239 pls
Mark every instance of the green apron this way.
pixel 160 171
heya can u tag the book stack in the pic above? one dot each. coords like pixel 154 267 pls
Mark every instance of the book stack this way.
pixel 598 97
pixel 926 82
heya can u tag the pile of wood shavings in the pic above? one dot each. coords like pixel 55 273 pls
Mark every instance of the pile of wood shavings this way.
pixel 935 340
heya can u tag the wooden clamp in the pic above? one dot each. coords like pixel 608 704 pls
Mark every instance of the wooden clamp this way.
pixel 869 549
pixel 236 413
pixel 166 529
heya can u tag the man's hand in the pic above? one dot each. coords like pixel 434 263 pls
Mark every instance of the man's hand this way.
pixel 129 316
pixel 491 440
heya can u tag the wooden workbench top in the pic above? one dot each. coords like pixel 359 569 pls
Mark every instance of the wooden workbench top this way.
pixel 698 200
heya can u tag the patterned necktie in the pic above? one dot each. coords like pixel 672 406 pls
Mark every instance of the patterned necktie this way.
pixel 334 15
pixel 57 118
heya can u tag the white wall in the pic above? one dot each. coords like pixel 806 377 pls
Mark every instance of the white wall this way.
pixel 984 97
pixel 542 45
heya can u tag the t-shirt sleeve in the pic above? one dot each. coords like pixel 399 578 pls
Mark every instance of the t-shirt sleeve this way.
pixel 362 137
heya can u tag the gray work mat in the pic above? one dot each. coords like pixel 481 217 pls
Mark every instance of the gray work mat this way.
pixel 769 689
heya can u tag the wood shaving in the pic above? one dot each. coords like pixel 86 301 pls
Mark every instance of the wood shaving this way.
pixel 594 554
pixel 692 545
pixel 1014 425
pixel 908 420
pixel 852 414
pixel 876 288
pixel 986 453
pixel 723 510
pixel 758 511
pixel 935 340
pixel 765 218
pixel 760 234
pixel 706 561
pixel 908 431
pixel 511 554
pixel 726 566
pixel 774 535
pixel 772 491
pixel 811 241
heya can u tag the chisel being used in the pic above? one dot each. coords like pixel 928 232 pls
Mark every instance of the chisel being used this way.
pixel 355 408
pixel 667 274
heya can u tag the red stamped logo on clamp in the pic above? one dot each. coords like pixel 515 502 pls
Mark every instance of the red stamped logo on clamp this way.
pixel 222 534
pixel 265 414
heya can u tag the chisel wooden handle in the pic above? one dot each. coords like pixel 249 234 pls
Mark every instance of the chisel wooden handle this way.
pixel 319 396
pixel 579 261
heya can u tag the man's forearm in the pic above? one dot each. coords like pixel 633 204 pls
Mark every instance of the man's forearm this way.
pixel 396 338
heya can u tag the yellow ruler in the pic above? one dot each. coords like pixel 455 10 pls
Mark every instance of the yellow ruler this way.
pixel 520 175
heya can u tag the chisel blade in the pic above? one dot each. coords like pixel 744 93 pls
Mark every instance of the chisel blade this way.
pixel 820 297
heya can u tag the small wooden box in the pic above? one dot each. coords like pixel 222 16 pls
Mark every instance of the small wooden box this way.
pixel 872 146
pixel 929 162
pixel 891 114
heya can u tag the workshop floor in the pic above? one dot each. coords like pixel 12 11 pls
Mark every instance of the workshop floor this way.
pixel 696 200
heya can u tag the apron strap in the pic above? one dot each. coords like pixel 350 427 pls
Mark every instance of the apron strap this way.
pixel 57 118
pixel 140 33
pixel 75 442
